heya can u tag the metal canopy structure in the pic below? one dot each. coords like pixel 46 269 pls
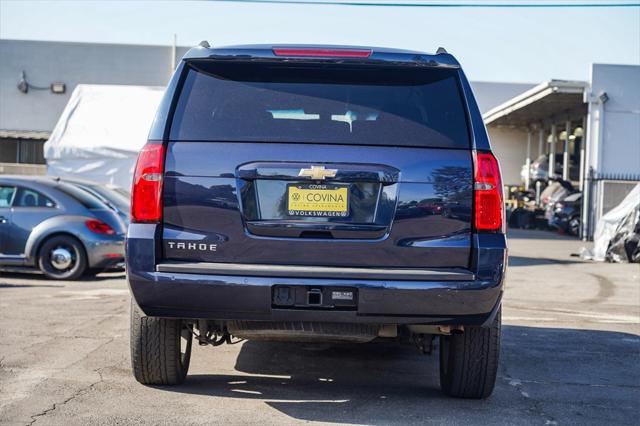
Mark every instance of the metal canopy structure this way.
pixel 555 100
pixel 556 110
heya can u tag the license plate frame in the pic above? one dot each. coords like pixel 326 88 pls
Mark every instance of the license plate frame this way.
pixel 328 208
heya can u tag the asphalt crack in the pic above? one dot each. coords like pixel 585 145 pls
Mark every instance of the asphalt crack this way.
pixel 535 406
pixel 56 405
pixel 76 394
pixel 80 391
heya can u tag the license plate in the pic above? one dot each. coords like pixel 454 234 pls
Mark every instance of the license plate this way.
pixel 342 295
pixel 317 200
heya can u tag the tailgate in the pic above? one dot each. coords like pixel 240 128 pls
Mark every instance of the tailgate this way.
pixel 405 207
pixel 318 163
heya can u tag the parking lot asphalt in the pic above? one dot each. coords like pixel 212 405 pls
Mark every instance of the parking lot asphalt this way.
pixel 570 355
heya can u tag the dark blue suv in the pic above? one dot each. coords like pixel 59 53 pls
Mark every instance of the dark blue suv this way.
pixel 318 193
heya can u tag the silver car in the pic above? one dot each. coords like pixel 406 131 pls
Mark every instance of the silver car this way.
pixel 57 227
pixel 113 197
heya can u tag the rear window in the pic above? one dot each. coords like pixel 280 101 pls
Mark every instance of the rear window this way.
pixel 83 197
pixel 363 105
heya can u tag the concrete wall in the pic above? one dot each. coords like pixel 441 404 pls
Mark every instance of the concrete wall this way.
pixel 70 63
pixel 22 169
pixel 510 147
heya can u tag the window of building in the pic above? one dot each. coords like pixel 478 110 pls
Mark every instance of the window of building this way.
pixel 31 152
pixel 26 151
pixel 9 150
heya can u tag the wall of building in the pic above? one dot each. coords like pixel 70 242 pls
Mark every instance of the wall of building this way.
pixel 613 132
pixel 510 147
pixel 70 63
pixel 617 149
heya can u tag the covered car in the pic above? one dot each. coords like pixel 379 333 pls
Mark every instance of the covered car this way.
pixel 617 232
pixel 101 131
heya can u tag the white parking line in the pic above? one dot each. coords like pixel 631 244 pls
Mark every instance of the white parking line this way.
pixel 598 317
pixel 93 293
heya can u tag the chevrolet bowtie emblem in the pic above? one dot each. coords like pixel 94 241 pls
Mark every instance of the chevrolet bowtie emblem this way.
pixel 317 172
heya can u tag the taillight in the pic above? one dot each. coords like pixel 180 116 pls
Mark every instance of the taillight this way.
pixel 146 193
pixel 319 52
pixel 488 203
pixel 99 227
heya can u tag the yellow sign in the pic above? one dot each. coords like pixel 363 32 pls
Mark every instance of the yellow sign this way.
pixel 318 200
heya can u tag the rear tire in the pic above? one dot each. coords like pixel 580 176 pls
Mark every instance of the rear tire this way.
pixel 62 257
pixel 469 361
pixel 160 349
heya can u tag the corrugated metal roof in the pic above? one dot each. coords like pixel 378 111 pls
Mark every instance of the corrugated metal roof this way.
pixel 24 134
pixel 543 102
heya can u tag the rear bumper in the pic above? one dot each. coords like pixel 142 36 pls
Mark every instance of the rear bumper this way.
pixel 166 292
pixel 250 298
pixel 105 253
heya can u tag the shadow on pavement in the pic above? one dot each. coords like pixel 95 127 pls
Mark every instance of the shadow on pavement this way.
pixel 534 261
pixel 382 383
pixel 5 285
pixel 527 234
pixel 33 275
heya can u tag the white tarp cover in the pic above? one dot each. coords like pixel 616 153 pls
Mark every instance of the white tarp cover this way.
pixel 608 223
pixel 100 132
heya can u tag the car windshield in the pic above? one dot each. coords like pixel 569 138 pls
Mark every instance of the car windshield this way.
pixel 367 105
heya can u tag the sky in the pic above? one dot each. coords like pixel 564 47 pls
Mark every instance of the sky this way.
pixel 493 44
